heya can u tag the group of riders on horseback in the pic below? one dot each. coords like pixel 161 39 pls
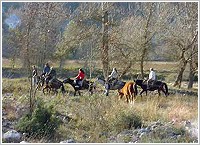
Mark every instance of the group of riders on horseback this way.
pixel 113 78
pixel 49 77
pixel 49 73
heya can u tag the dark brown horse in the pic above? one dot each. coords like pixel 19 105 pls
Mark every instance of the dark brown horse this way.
pixel 40 82
pixel 129 91
pixel 158 85
pixel 87 85
pixel 54 86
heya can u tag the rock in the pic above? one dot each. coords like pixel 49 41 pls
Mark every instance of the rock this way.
pixel 24 142
pixel 142 134
pixel 154 127
pixel 188 124
pixel 68 141
pixel 4 113
pixel 112 139
pixel 125 136
pixel 12 136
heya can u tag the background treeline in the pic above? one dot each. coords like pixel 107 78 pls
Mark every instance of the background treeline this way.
pixel 117 34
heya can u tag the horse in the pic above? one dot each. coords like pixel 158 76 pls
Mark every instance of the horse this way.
pixel 85 85
pixel 129 91
pixel 108 87
pixel 158 85
pixel 40 81
pixel 54 85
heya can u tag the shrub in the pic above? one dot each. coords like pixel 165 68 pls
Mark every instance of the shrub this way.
pixel 41 124
pixel 126 120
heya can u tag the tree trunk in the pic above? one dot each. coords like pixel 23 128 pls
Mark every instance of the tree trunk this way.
pixel 191 73
pixel 142 63
pixel 61 62
pixel 126 69
pixel 184 61
pixel 104 51
pixel 144 51
pixel 191 80
pixel 180 73
pixel 26 61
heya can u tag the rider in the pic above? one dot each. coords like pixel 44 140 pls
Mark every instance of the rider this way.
pixel 46 69
pixel 79 78
pixel 51 76
pixel 34 74
pixel 113 77
pixel 152 77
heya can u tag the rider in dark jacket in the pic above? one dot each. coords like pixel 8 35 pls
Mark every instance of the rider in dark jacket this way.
pixel 51 76
pixel 46 69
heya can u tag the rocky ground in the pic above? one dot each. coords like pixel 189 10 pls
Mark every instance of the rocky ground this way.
pixel 162 129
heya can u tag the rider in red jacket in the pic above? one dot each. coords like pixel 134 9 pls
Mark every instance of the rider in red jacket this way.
pixel 80 77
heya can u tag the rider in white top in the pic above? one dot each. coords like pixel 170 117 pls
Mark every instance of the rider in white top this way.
pixel 113 77
pixel 152 77
pixel 152 74
pixel 113 74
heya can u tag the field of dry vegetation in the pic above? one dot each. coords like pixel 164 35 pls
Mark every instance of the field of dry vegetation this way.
pixel 100 119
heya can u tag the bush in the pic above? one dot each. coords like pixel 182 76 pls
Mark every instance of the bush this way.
pixel 126 120
pixel 41 124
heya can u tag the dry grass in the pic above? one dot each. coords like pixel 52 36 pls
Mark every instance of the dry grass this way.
pixel 157 65
pixel 94 115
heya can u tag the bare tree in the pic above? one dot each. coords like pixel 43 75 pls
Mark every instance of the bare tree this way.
pixel 181 34
pixel 28 17
pixel 105 49
pixel 193 65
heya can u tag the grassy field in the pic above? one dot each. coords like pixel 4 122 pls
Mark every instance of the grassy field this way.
pixel 96 114
pixel 96 118
pixel 166 71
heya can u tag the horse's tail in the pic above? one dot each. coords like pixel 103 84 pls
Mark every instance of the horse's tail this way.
pixel 166 88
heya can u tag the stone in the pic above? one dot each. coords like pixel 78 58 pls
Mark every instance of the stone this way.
pixel 68 141
pixel 24 142
pixel 12 136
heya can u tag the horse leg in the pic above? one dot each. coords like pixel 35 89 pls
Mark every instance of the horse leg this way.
pixel 131 96
pixel 56 92
pixel 134 97
pixel 127 98
pixel 120 95
pixel 43 90
pixel 141 93
pixel 106 92
pixel 158 92
pixel 164 92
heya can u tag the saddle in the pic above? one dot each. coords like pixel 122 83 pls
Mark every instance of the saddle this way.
pixel 79 83
pixel 152 84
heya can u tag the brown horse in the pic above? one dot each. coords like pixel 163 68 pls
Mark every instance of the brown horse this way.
pixel 129 91
pixel 54 86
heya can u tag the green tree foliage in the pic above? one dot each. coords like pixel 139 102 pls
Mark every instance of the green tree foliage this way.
pixel 42 123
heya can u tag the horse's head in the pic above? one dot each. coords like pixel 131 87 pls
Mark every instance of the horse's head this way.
pixel 101 81
pixel 68 80
pixel 138 82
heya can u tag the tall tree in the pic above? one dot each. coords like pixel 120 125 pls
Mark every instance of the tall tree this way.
pixel 104 51
pixel 182 34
